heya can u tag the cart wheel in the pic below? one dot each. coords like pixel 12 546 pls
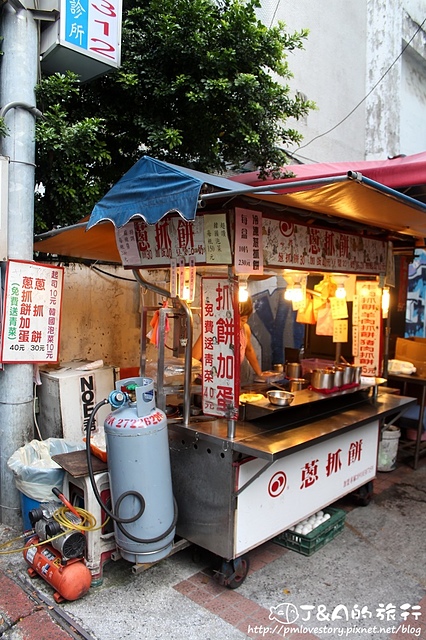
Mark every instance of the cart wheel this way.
pixel 234 572
pixel 364 494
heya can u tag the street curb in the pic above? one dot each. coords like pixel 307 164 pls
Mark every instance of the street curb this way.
pixel 27 615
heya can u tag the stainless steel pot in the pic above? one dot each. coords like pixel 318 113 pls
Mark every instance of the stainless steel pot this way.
pixel 348 374
pixel 280 398
pixel 296 384
pixel 357 371
pixel 338 376
pixel 322 379
pixel 293 370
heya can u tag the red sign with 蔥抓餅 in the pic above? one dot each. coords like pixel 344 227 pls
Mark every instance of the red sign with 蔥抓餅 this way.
pixel 31 313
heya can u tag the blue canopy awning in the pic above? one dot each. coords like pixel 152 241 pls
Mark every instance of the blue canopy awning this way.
pixel 150 190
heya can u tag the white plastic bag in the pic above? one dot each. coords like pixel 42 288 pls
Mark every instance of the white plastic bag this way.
pixel 35 472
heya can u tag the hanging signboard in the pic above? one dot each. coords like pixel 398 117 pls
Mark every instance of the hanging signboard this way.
pixel 366 327
pixel 141 244
pixel 221 346
pixel 248 242
pixel 297 246
pixel 218 250
pixel 86 39
pixel 259 242
pixel 32 313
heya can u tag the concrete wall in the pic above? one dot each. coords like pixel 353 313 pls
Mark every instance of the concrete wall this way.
pixel 100 316
pixel 330 71
pixel 370 93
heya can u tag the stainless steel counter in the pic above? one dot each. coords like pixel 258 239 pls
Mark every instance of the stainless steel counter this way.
pixel 222 484
pixel 286 430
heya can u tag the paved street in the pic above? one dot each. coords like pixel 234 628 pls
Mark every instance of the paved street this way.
pixel 375 570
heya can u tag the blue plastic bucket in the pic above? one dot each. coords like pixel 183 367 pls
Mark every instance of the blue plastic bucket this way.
pixel 27 504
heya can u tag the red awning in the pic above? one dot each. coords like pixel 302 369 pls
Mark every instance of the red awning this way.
pixel 398 173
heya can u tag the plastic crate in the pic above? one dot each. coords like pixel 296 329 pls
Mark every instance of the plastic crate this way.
pixel 311 542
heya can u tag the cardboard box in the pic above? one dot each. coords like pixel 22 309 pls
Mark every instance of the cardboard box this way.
pixel 67 396
pixel 412 350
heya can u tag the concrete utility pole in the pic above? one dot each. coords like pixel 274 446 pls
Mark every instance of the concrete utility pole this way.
pixel 17 101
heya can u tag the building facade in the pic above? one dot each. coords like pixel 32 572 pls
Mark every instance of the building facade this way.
pixel 364 65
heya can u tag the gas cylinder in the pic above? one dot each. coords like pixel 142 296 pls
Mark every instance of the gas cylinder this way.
pixel 71 580
pixel 138 457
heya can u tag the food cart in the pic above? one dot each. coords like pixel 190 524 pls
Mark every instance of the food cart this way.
pixel 242 474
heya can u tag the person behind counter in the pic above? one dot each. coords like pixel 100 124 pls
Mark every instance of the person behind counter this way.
pixel 246 347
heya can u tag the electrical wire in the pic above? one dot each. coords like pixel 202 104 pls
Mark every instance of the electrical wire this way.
pixel 275 13
pixel 111 275
pixel 35 413
pixel 88 523
pixel 321 135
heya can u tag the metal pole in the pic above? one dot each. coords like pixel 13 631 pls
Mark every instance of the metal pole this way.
pixel 17 100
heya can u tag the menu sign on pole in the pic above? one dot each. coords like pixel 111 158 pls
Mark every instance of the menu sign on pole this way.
pixel 221 347
pixel 248 242
pixel 32 313
pixel 367 327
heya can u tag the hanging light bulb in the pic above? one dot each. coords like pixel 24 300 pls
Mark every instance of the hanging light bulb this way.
pixel 186 295
pixel 297 292
pixel 339 279
pixel 385 301
pixel 340 291
pixel 296 280
pixel 243 293
pixel 288 294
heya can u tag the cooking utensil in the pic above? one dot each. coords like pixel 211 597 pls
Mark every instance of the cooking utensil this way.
pixel 322 378
pixel 348 374
pixel 296 384
pixel 338 376
pixel 357 370
pixel 280 398
pixel 293 370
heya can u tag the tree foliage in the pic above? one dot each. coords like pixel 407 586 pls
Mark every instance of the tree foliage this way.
pixel 203 84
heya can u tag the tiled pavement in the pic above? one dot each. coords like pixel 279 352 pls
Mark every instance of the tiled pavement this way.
pixel 253 620
pixel 180 598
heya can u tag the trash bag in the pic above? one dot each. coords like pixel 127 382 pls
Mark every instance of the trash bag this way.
pixel 35 472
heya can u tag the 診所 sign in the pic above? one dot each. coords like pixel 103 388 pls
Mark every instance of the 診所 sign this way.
pixel 86 39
